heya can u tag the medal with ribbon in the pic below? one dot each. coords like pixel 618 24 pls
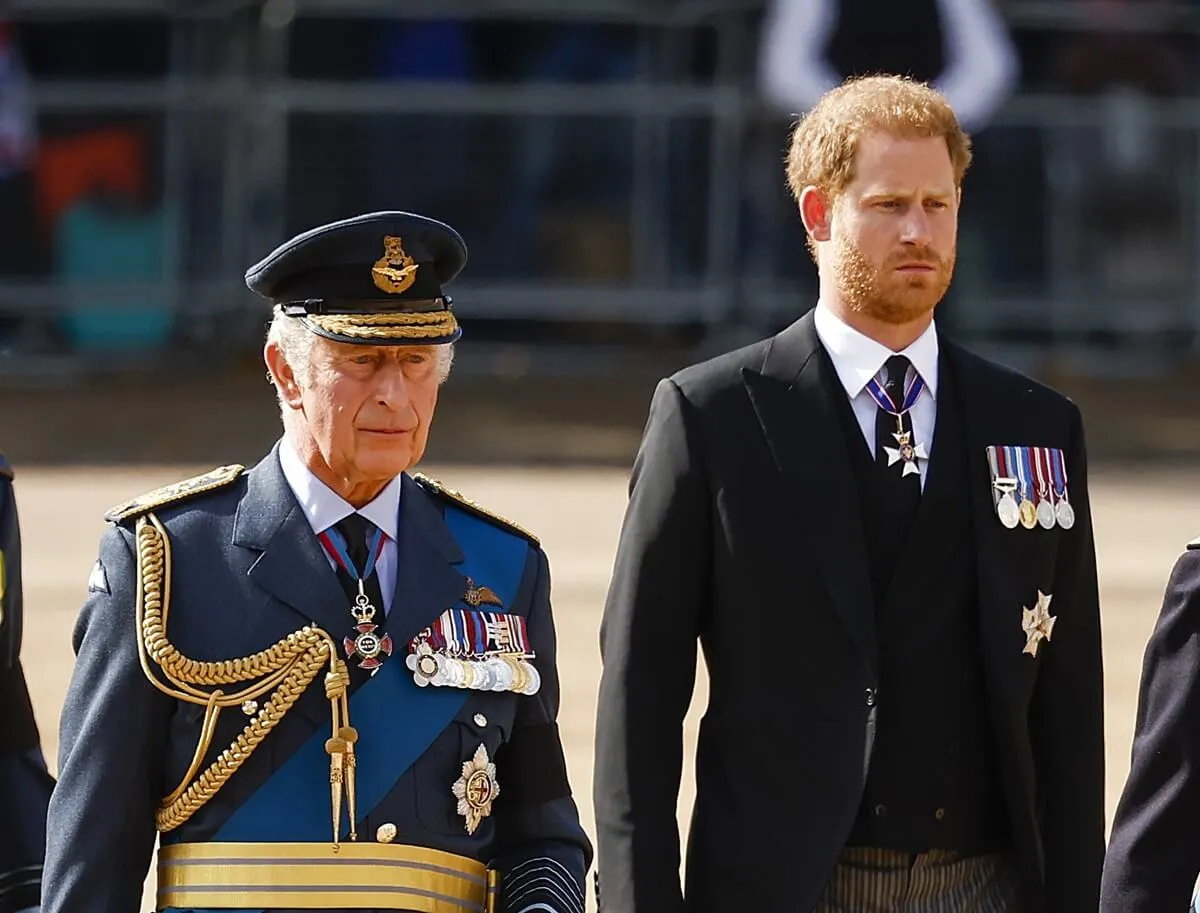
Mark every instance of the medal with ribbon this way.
pixel 1045 506
pixel 1003 486
pixel 483 651
pixel 905 452
pixel 1064 513
pixel 371 648
pixel 1019 457
pixel 1029 487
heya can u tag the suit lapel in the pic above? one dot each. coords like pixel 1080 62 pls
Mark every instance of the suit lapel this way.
pixel 427 581
pixel 792 400
pixel 292 566
pixel 1000 576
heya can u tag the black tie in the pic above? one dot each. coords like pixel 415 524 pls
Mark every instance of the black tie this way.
pixel 887 426
pixel 900 492
pixel 357 530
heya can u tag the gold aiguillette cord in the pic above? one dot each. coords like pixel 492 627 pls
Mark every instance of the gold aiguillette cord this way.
pixel 340 748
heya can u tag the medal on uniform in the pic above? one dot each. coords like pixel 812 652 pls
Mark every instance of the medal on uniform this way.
pixel 1045 508
pixel 1003 486
pixel 1063 510
pixel 1065 514
pixel 1028 507
pixel 482 651
pixel 1017 456
pixel 362 642
pixel 1007 509
pixel 1037 623
pixel 906 453
pixel 426 665
pixel 476 789
pixel 1028 514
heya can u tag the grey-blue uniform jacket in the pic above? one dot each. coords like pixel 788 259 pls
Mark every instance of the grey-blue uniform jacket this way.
pixel 246 570
pixel 25 783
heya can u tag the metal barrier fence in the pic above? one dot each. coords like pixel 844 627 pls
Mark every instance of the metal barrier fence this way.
pixel 647 197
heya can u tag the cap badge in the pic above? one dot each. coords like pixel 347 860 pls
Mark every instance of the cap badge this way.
pixel 395 271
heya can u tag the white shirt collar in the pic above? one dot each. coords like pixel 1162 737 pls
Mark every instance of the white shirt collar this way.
pixel 323 507
pixel 858 358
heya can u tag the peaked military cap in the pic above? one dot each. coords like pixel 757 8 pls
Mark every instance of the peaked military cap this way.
pixel 375 279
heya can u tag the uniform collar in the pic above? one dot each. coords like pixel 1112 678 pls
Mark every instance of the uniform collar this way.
pixel 857 358
pixel 323 507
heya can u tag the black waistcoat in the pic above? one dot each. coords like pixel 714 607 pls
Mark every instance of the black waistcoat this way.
pixel 886 36
pixel 933 781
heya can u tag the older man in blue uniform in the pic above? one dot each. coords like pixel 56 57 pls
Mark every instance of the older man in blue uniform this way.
pixel 25 783
pixel 324 682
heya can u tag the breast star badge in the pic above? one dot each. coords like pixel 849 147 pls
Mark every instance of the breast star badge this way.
pixel 906 451
pixel 476 789
pixel 1037 623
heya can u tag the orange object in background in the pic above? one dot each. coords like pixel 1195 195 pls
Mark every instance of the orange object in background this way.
pixel 92 212
pixel 66 169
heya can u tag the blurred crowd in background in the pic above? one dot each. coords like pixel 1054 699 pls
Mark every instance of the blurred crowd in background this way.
pixel 608 162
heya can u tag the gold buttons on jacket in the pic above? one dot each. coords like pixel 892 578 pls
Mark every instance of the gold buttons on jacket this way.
pixel 386 833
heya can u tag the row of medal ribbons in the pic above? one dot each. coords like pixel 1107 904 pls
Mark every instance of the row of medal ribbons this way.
pixel 482 651
pixel 1029 487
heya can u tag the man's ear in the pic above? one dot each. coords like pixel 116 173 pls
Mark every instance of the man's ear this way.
pixel 283 375
pixel 815 211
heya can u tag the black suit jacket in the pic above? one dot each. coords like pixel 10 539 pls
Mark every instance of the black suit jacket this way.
pixel 741 534
pixel 25 784
pixel 1154 851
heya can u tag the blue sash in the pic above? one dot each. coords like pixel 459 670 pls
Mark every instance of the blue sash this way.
pixel 397 719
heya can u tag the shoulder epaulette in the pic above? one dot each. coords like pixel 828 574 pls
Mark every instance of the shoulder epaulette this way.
pixel 6 470
pixel 1195 543
pixel 175 492
pixel 434 487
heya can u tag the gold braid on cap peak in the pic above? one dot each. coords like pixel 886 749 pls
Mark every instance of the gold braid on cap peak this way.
pixel 413 325
pixel 287 668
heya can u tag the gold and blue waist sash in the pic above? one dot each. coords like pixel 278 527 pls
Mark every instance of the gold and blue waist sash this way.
pixel 320 876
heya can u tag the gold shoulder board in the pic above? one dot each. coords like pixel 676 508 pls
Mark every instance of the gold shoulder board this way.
pixel 434 487
pixel 175 492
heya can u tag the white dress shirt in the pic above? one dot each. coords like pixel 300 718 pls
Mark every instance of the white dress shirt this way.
pixel 324 508
pixel 858 358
